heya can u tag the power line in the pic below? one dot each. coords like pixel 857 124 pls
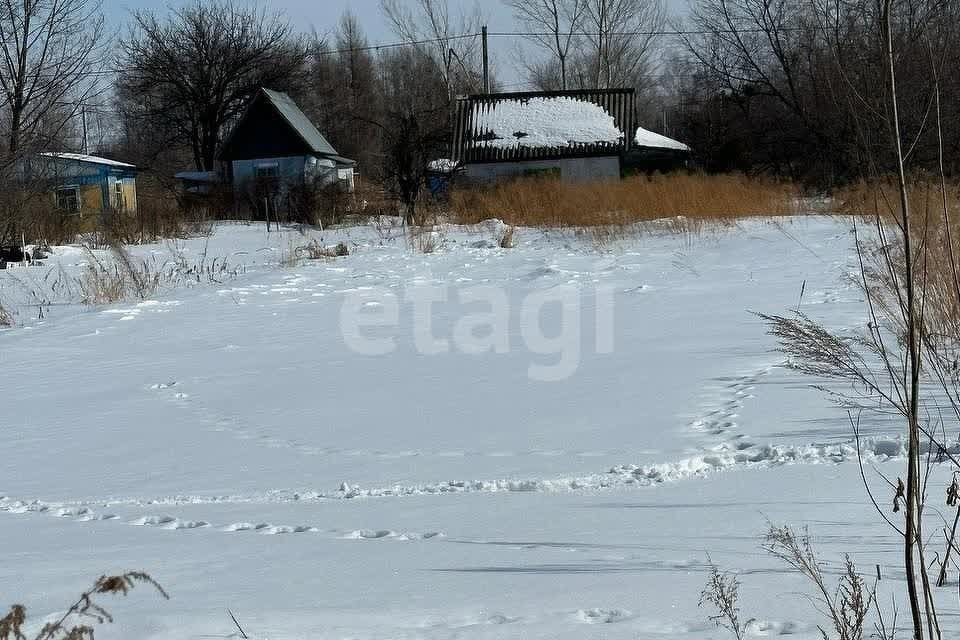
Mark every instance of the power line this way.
pixel 394 45
pixel 667 32
pixel 583 34
pixel 465 36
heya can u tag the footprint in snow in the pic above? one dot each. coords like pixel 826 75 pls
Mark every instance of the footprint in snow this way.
pixel 601 616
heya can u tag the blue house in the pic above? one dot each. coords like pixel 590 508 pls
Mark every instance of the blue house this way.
pixel 82 184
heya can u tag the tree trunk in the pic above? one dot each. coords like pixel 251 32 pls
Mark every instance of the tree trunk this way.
pixel 912 498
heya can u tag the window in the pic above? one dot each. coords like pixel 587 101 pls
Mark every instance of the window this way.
pixel 68 199
pixel 268 170
pixel 118 199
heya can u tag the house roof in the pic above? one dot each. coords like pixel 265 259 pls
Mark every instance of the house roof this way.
pixel 298 127
pixel 300 122
pixel 540 125
pixel 653 140
pixel 82 157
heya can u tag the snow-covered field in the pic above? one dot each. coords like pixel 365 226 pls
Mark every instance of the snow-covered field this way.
pixel 537 442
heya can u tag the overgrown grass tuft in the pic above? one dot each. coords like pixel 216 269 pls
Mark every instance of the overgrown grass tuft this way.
pixel 121 278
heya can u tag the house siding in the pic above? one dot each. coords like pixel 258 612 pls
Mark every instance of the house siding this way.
pixel 290 170
pixel 570 169
pixel 96 183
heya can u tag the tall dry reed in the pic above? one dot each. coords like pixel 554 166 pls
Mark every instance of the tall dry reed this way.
pixel 549 202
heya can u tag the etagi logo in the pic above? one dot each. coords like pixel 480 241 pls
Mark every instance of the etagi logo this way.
pixel 550 323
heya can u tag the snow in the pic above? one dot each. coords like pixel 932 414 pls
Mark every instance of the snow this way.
pixel 225 436
pixel 443 165
pixel 645 138
pixel 543 123
pixel 82 157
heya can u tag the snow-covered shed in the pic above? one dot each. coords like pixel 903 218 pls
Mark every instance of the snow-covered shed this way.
pixel 653 151
pixel 274 141
pixel 576 135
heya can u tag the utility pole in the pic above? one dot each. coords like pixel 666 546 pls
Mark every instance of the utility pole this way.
pixel 486 62
pixel 83 118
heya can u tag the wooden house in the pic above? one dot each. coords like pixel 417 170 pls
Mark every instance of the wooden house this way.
pixel 654 152
pixel 275 147
pixel 83 184
pixel 575 135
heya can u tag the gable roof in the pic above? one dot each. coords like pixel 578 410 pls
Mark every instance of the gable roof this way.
pixel 298 121
pixel 544 124
pixel 82 157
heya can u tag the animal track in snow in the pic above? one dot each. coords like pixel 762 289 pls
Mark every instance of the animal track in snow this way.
pixel 721 417
pixel 595 616
pixel 621 476
pixel 85 513
pixel 131 313
pixel 236 426
pixel 368 534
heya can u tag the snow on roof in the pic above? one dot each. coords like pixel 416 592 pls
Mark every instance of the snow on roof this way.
pixel 645 138
pixel 543 123
pixel 82 157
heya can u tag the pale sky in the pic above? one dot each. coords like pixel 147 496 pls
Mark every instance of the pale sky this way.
pixel 323 15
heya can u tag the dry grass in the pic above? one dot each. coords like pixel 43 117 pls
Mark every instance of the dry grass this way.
pixel 722 593
pixel 77 623
pixel 846 604
pixel 698 199
pixel 6 317
pixel 935 238
pixel 926 198
pixel 425 239
pixel 935 227
pixel 122 278
pixel 506 237
pixel 316 250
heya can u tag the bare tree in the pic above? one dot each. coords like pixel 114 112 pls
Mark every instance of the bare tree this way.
pixel 553 25
pixel 50 52
pixel 448 39
pixel 414 123
pixel 621 34
pixel 908 279
pixel 193 72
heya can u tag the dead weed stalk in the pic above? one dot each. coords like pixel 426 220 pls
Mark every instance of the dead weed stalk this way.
pixel 79 620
